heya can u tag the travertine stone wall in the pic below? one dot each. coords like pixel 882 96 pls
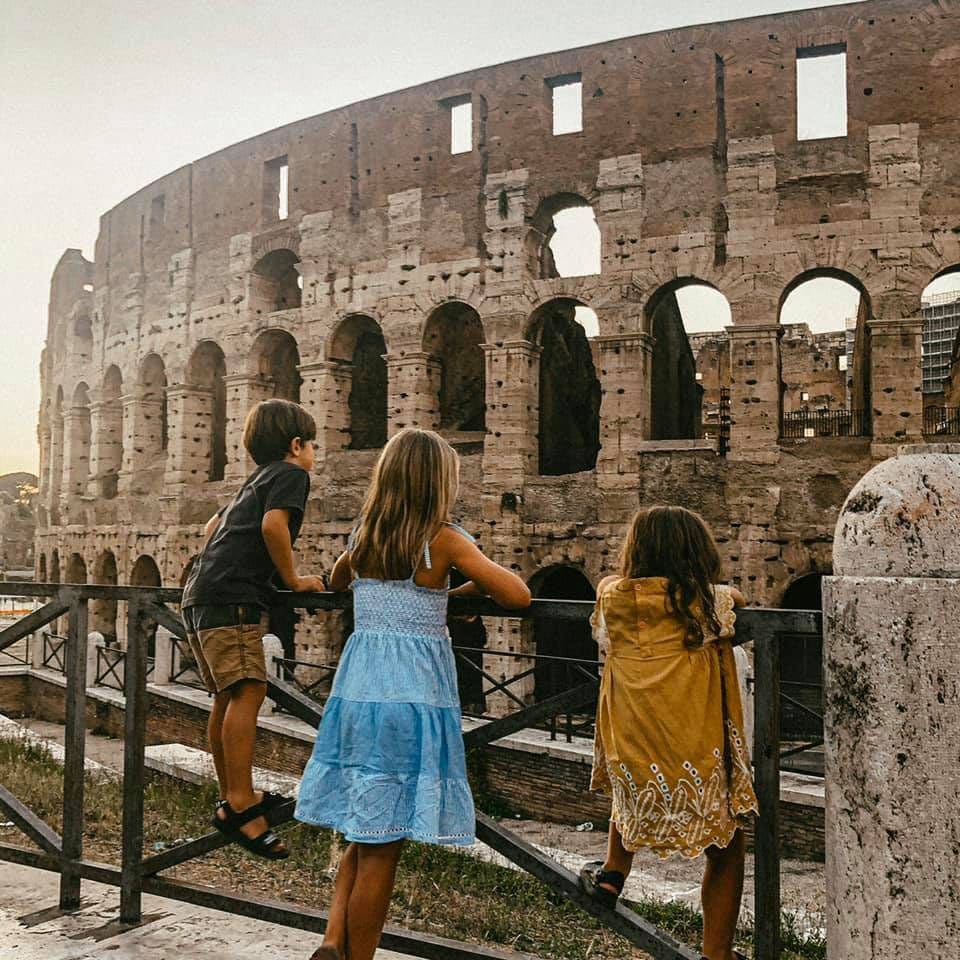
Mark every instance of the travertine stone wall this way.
pixel 893 712
pixel 688 157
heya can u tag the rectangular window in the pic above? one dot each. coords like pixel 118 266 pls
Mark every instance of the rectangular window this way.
pixel 804 397
pixel 158 212
pixel 567 95
pixel 822 92
pixel 842 362
pixel 461 124
pixel 276 189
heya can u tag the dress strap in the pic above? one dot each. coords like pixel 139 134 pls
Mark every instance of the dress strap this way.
pixel 461 531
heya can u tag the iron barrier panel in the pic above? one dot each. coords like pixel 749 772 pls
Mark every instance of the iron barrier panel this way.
pixel 147 606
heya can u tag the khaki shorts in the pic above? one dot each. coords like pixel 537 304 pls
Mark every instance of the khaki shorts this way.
pixel 225 655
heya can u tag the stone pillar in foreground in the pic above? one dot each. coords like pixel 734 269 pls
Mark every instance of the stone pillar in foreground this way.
pixel 892 675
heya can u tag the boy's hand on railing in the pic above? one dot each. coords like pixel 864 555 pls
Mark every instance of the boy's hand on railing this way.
pixel 309 585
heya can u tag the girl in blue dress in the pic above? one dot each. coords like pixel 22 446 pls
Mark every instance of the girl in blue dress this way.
pixel 388 763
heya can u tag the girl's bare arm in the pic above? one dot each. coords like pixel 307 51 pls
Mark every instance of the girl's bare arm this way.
pixel 485 577
pixel 342 573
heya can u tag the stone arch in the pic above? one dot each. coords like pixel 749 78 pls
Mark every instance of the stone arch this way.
pixel 103 613
pixel 827 370
pixel 569 428
pixel 357 350
pixel 554 217
pixel 558 638
pixel 276 358
pixel 801 661
pixel 275 282
pixel 453 335
pixel 206 370
pixel 109 438
pixel 77 442
pixel 152 383
pixel 688 371
pixel 76 571
pixel 146 573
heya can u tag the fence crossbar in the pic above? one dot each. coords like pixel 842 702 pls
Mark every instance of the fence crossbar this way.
pixel 32 622
pixel 41 833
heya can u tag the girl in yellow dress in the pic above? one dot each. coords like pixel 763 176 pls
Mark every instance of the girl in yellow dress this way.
pixel 669 747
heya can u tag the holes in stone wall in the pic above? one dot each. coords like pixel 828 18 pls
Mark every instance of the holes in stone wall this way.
pixel 358 348
pixel 569 429
pixel 453 334
pixel 690 365
pixel 277 360
pixel 822 92
pixel 275 282
pixel 207 369
pixel 566 97
pixel 556 638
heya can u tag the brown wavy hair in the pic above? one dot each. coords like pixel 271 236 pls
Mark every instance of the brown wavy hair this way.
pixel 671 542
pixel 412 491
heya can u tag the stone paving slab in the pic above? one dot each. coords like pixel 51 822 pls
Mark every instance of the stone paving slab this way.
pixel 32 929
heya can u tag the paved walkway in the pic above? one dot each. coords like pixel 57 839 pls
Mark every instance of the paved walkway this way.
pixel 32 929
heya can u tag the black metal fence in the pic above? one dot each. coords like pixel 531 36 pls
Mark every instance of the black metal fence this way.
pixel 808 424
pixel 941 421
pixel 136 874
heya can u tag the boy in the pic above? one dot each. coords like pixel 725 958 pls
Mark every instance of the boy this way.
pixel 225 600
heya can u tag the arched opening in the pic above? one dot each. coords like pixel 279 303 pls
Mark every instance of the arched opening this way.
pixel 55 566
pixel 153 396
pixel 358 350
pixel 55 460
pixel 825 356
pixel 801 673
pixel 569 640
pixel 110 433
pixel 207 369
pixel 277 361
pixel 42 569
pixel 569 429
pixel 564 239
pixel 146 573
pixel 690 367
pixel 103 613
pixel 940 308
pixel 77 442
pixel 275 283
pixel 453 335
pixel 76 571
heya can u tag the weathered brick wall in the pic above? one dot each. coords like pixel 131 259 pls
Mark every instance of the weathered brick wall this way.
pixel 690 160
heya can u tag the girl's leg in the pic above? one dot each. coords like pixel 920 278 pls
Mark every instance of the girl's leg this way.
pixel 618 857
pixel 370 896
pixel 720 895
pixel 336 933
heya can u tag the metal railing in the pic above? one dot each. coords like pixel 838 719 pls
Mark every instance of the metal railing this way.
pixel 137 875
pixel 110 667
pixel 808 424
pixel 53 651
pixel 941 421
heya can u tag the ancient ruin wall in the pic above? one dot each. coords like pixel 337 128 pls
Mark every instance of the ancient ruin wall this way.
pixel 690 160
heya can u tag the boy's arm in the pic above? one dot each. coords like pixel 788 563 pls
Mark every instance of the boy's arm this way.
pixel 275 528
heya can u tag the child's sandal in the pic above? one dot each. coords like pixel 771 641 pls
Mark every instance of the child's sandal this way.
pixel 271 801
pixel 593 874
pixel 326 953
pixel 267 844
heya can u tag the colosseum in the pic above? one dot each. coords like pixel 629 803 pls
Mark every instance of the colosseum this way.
pixel 394 263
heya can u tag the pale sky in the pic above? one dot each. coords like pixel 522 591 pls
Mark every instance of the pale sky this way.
pixel 99 98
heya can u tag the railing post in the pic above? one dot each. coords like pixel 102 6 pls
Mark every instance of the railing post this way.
pixel 75 732
pixel 135 713
pixel 766 758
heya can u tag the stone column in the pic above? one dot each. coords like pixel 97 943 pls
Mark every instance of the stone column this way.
pixel 624 364
pixel 76 452
pixel 892 675
pixel 755 391
pixel 190 411
pixel 143 453
pixel 326 393
pixel 243 393
pixel 106 448
pixel 43 438
pixel 896 383
pixel 413 389
pixel 55 464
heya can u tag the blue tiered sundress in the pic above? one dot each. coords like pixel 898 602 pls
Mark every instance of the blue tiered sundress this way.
pixel 388 762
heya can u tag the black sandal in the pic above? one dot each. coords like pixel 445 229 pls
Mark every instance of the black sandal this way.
pixel 263 845
pixel 593 874
pixel 271 801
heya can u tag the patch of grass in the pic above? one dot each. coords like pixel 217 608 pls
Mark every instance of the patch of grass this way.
pixel 439 890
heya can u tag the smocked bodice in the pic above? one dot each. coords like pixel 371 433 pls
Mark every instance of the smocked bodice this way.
pixel 398 607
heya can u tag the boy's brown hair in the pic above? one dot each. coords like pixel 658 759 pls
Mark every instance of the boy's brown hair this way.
pixel 671 542
pixel 271 427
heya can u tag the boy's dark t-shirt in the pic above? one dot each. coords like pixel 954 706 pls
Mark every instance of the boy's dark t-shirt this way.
pixel 235 567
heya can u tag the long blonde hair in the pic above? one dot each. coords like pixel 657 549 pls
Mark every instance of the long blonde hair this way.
pixel 411 493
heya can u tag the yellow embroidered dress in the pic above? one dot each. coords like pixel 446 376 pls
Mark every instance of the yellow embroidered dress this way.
pixel 669 745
